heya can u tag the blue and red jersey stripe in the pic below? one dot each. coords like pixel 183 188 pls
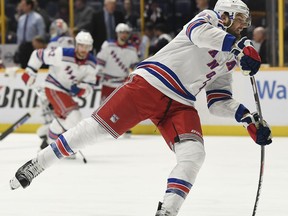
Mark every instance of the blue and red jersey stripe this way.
pixel 217 95
pixel 193 25
pixel 167 77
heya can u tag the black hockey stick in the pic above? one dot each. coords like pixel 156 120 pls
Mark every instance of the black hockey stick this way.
pixel 16 125
pixel 36 90
pixel 258 107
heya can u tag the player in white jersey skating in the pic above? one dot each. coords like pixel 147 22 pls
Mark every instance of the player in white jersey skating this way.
pixel 163 88
pixel 59 37
pixel 115 61
pixel 71 73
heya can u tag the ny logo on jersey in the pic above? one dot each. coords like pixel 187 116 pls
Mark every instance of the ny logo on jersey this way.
pixel 114 118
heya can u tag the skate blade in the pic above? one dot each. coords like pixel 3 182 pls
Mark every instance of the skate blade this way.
pixel 14 183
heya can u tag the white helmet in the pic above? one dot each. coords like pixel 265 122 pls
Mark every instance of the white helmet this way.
pixel 58 27
pixel 122 27
pixel 232 7
pixel 84 38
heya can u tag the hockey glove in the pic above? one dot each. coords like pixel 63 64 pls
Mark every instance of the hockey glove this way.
pixel 260 133
pixel 29 77
pixel 81 90
pixel 250 61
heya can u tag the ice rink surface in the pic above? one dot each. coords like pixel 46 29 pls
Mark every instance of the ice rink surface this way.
pixel 127 177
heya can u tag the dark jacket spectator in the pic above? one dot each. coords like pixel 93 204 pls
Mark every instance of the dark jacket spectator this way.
pixel 131 15
pixel 83 15
pixel 162 39
pixel 100 28
pixel 44 14
pixel 63 11
pixel 259 37
pixel 153 13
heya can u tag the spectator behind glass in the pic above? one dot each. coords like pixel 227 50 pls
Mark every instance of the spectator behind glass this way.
pixel 30 24
pixel 73 32
pixel 19 11
pixel 63 12
pixel 202 5
pixel 104 23
pixel 162 39
pixel 83 15
pixel 153 13
pixel 39 42
pixel 259 38
pixel 131 16
pixel 44 15
pixel 147 39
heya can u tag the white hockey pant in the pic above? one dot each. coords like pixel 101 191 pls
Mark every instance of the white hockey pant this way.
pixel 190 156
pixel 86 132
pixel 59 125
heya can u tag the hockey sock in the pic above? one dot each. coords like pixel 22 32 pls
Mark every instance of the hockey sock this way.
pixel 190 157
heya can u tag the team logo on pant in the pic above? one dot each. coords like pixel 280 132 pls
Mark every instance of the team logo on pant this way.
pixel 114 118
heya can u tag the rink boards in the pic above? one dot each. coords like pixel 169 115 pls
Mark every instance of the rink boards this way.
pixel 16 100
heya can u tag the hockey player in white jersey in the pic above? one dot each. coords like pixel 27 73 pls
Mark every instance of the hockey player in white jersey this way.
pixel 116 60
pixel 59 35
pixel 71 73
pixel 163 88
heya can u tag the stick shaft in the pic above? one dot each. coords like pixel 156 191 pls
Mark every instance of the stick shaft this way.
pixel 258 107
pixel 16 125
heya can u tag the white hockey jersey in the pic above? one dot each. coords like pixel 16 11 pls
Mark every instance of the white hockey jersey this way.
pixel 114 62
pixel 197 58
pixel 64 69
pixel 61 41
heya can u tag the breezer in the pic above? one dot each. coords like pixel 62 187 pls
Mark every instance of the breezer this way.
pixel 163 89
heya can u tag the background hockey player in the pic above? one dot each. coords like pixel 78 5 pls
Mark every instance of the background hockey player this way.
pixel 115 61
pixel 71 73
pixel 59 37
pixel 163 88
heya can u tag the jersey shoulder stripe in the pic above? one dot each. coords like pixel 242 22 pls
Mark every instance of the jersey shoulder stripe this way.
pixel 69 52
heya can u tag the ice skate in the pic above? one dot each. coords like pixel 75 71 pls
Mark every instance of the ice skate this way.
pixel 26 174
pixel 161 211
pixel 44 143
